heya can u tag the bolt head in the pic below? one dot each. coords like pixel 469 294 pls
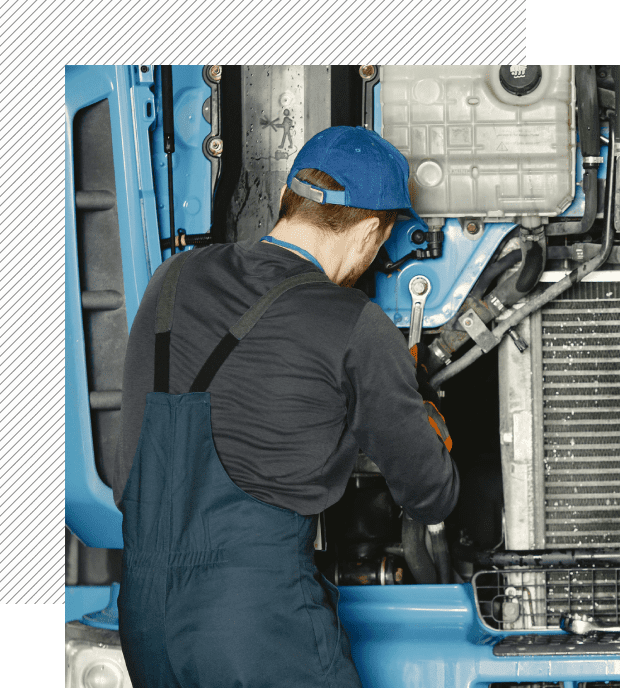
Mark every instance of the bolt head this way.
pixel 215 146
pixel 215 72
pixel 419 287
pixel 467 322
pixel 472 227
pixel 367 71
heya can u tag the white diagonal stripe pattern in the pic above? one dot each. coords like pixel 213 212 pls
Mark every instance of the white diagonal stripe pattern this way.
pixel 40 38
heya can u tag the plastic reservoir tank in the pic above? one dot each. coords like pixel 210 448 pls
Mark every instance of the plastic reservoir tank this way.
pixel 483 141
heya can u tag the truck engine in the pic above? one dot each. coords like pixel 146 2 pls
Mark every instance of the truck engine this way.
pixel 509 285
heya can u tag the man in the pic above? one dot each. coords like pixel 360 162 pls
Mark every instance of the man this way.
pixel 220 489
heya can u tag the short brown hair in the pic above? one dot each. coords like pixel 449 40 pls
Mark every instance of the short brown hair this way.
pixel 328 217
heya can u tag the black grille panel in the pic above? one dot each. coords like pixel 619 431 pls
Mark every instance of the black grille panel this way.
pixel 581 422
pixel 534 599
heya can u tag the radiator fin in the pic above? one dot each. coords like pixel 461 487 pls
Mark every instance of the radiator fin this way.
pixel 581 421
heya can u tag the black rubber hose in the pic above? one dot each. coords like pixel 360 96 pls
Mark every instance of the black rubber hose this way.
pixel 590 188
pixel 416 555
pixel 492 271
pixel 554 290
pixel 526 278
pixel 587 108
pixel 590 144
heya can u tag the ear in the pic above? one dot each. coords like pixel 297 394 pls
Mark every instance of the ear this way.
pixel 369 228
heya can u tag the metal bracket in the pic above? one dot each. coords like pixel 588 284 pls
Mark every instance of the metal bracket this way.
pixel 478 331
pixel 419 288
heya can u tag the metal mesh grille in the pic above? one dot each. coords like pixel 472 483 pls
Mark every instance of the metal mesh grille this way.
pixel 581 422
pixel 536 598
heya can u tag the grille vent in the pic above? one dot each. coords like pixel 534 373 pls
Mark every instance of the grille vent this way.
pixel 581 422
pixel 535 599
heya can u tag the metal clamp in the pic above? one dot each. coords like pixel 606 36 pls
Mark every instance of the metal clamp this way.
pixel 419 288
pixel 593 160
pixel 477 330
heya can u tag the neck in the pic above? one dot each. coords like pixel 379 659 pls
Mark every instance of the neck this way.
pixel 332 252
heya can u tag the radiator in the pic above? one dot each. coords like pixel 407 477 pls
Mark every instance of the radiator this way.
pixel 560 423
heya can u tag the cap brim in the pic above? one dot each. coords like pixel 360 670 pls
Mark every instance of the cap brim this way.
pixel 405 214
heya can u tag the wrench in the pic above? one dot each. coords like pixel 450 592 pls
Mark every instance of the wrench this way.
pixel 419 288
pixel 584 625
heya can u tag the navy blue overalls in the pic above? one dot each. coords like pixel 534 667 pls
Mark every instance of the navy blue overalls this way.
pixel 218 588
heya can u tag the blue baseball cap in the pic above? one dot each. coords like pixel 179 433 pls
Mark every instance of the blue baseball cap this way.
pixel 374 173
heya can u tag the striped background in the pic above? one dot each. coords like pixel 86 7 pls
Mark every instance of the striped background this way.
pixel 38 39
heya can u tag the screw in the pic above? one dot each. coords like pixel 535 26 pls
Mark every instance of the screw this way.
pixel 144 69
pixel 472 227
pixel 367 71
pixel 215 146
pixel 467 322
pixel 215 72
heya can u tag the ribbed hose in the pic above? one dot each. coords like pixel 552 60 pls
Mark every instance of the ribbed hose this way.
pixel 555 289
pixel 416 555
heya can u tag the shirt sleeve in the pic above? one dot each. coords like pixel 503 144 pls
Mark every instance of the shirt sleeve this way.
pixel 389 421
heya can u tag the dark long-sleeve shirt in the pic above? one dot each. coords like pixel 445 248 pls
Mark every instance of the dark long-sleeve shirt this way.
pixel 323 373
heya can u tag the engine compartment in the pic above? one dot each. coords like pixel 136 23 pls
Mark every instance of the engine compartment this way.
pixel 535 420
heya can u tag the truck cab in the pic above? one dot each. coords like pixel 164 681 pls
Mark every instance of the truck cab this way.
pixel 509 283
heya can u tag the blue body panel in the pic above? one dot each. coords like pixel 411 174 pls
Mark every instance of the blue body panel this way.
pixel 451 276
pixel 408 636
pixel 192 170
pixel 141 177
pixel 90 510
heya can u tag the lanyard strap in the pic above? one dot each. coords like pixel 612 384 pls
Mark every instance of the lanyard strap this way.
pixel 285 244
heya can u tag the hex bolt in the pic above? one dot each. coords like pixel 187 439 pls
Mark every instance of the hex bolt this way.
pixel 215 72
pixel 367 71
pixel 215 146
pixel 419 287
pixel 472 227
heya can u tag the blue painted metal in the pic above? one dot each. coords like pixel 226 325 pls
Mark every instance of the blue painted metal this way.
pixel 84 599
pixel 192 170
pixel 451 276
pixel 407 636
pixel 107 617
pixel 90 511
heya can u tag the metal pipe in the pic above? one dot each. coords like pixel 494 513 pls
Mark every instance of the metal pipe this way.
pixel 535 558
pixel 554 290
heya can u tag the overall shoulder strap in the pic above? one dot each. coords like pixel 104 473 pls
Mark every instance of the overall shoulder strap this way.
pixel 245 323
pixel 163 322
